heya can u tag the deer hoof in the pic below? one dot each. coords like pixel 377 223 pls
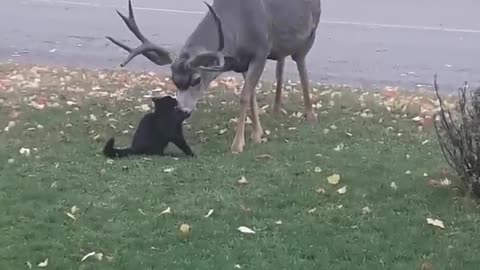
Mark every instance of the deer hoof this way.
pixel 257 136
pixel 237 145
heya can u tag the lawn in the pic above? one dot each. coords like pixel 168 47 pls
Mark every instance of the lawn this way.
pixel 61 199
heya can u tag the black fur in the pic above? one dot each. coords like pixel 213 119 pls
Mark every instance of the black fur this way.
pixel 155 131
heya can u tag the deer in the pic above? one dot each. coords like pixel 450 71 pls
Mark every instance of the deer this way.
pixel 238 36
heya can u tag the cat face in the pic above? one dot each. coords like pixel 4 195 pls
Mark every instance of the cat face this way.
pixel 168 105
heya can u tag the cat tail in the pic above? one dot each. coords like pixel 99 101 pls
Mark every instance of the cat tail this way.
pixel 110 151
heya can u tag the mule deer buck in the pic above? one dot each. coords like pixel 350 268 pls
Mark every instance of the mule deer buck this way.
pixel 239 36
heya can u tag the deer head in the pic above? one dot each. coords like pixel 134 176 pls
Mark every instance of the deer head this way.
pixel 192 71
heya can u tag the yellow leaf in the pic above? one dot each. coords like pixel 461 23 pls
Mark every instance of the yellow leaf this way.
pixel 333 179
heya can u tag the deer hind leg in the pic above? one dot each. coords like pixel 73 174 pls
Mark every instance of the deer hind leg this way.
pixel 302 71
pixel 277 105
pixel 299 58
pixel 252 76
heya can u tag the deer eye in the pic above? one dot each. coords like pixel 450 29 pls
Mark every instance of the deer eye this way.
pixel 196 81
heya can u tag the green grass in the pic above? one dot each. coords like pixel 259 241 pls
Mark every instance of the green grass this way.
pixel 120 202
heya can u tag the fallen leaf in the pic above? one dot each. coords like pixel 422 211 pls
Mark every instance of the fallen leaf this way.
pixel 141 212
pixel 222 131
pixel 339 147
pixel 278 222
pixel 320 190
pixel 74 209
pixel 436 223
pixel 168 170
pixel 25 151
pixel 318 170
pixel 184 229
pixel 366 210
pixel 244 229
pixel 98 256
pixel 263 156
pixel 408 172
pixel 342 190
pixel 238 266
pixel 144 108
pixel 393 185
pixel 87 255
pixel 166 211
pixel 210 212
pixel 333 179
pixel 242 180
pixel 93 118
pixel 43 264
pixel 70 216
pixel 312 210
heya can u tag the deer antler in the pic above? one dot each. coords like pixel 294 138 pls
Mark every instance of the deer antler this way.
pixel 154 53
pixel 198 62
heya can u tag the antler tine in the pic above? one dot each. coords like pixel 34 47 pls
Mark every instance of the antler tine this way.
pixel 131 23
pixel 154 53
pixel 221 39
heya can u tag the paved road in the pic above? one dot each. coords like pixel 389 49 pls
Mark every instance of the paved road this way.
pixel 362 43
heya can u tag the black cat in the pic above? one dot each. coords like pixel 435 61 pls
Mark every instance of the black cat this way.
pixel 155 131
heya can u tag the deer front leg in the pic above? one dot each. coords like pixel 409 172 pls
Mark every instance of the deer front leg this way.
pixel 257 130
pixel 277 105
pixel 302 71
pixel 252 76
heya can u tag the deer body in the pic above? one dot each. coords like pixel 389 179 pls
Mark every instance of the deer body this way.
pixel 239 36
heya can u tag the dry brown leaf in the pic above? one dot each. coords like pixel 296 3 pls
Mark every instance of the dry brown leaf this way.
pixel 342 190
pixel 263 157
pixel 70 216
pixel 244 229
pixel 24 151
pixel 168 170
pixel 185 229
pixel 333 179
pixel 393 185
pixel 242 180
pixel 166 211
pixel 43 264
pixel 210 212
pixel 436 223
pixel 87 256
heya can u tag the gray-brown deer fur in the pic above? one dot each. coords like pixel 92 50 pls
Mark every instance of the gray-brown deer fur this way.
pixel 239 36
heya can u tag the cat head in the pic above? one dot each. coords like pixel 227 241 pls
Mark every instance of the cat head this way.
pixel 167 105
